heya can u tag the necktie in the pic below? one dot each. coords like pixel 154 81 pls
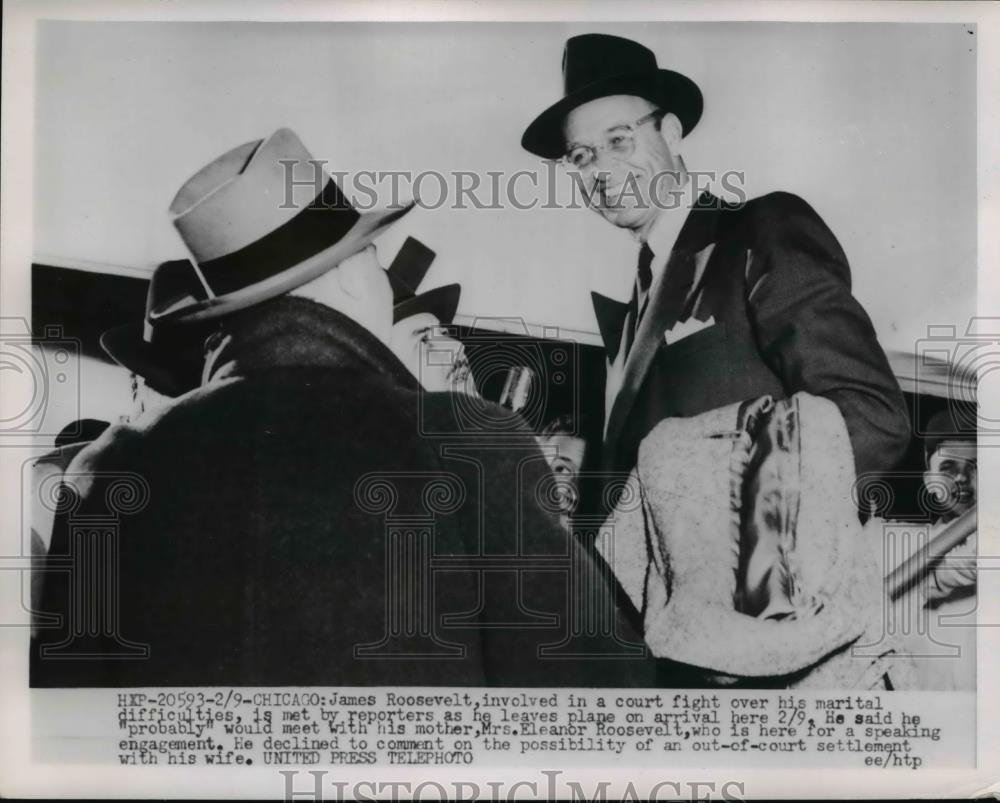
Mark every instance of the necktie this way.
pixel 644 273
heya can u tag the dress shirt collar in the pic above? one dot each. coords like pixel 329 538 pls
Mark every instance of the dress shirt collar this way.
pixel 663 235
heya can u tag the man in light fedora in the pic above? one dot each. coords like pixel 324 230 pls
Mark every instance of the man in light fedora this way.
pixel 294 496
pixel 166 361
pixel 730 302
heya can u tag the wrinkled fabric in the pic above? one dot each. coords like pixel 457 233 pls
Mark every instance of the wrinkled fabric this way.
pixel 786 605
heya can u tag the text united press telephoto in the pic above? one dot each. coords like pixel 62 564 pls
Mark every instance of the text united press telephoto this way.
pixel 498 409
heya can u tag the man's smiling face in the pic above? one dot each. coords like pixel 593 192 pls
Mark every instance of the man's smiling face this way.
pixel 952 477
pixel 623 188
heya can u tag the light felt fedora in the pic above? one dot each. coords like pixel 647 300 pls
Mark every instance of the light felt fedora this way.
pixel 596 65
pixel 261 220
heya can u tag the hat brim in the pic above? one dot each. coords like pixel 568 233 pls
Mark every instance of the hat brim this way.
pixel 125 345
pixel 189 310
pixel 441 302
pixel 669 91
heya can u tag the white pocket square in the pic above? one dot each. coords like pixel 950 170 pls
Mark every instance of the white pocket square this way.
pixel 683 329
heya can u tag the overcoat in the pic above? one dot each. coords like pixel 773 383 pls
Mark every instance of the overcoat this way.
pixel 310 516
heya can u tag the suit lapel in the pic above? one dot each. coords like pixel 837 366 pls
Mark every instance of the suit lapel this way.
pixel 693 249
pixel 611 316
pixel 662 313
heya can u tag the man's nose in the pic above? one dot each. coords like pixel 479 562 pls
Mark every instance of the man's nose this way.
pixel 961 473
pixel 602 166
pixel 595 179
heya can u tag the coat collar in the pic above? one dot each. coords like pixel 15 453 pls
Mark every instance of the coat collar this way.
pixel 663 235
pixel 702 223
pixel 695 242
pixel 610 315
pixel 294 332
pixel 699 230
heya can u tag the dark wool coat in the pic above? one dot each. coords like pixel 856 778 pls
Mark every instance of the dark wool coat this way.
pixel 311 517
pixel 778 287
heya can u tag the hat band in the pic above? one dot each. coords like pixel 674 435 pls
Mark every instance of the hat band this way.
pixel 315 228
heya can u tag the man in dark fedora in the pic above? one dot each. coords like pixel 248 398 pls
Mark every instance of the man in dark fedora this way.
pixel 420 336
pixel 730 301
pixel 163 360
pixel 297 519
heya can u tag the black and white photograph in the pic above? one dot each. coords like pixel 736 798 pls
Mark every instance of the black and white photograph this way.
pixel 497 387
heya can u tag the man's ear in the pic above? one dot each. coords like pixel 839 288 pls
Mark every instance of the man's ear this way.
pixel 672 132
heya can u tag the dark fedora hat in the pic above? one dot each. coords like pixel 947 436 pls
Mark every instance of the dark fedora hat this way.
pixel 406 273
pixel 260 220
pixel 166 356
pixel 596 65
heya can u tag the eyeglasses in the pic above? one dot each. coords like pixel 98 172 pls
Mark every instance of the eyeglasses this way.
pixel 618 141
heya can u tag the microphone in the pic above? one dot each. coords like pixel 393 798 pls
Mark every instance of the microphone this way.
pixel 517 388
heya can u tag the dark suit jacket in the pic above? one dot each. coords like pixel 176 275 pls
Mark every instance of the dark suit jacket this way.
pixel 274 537
pixel 778 286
